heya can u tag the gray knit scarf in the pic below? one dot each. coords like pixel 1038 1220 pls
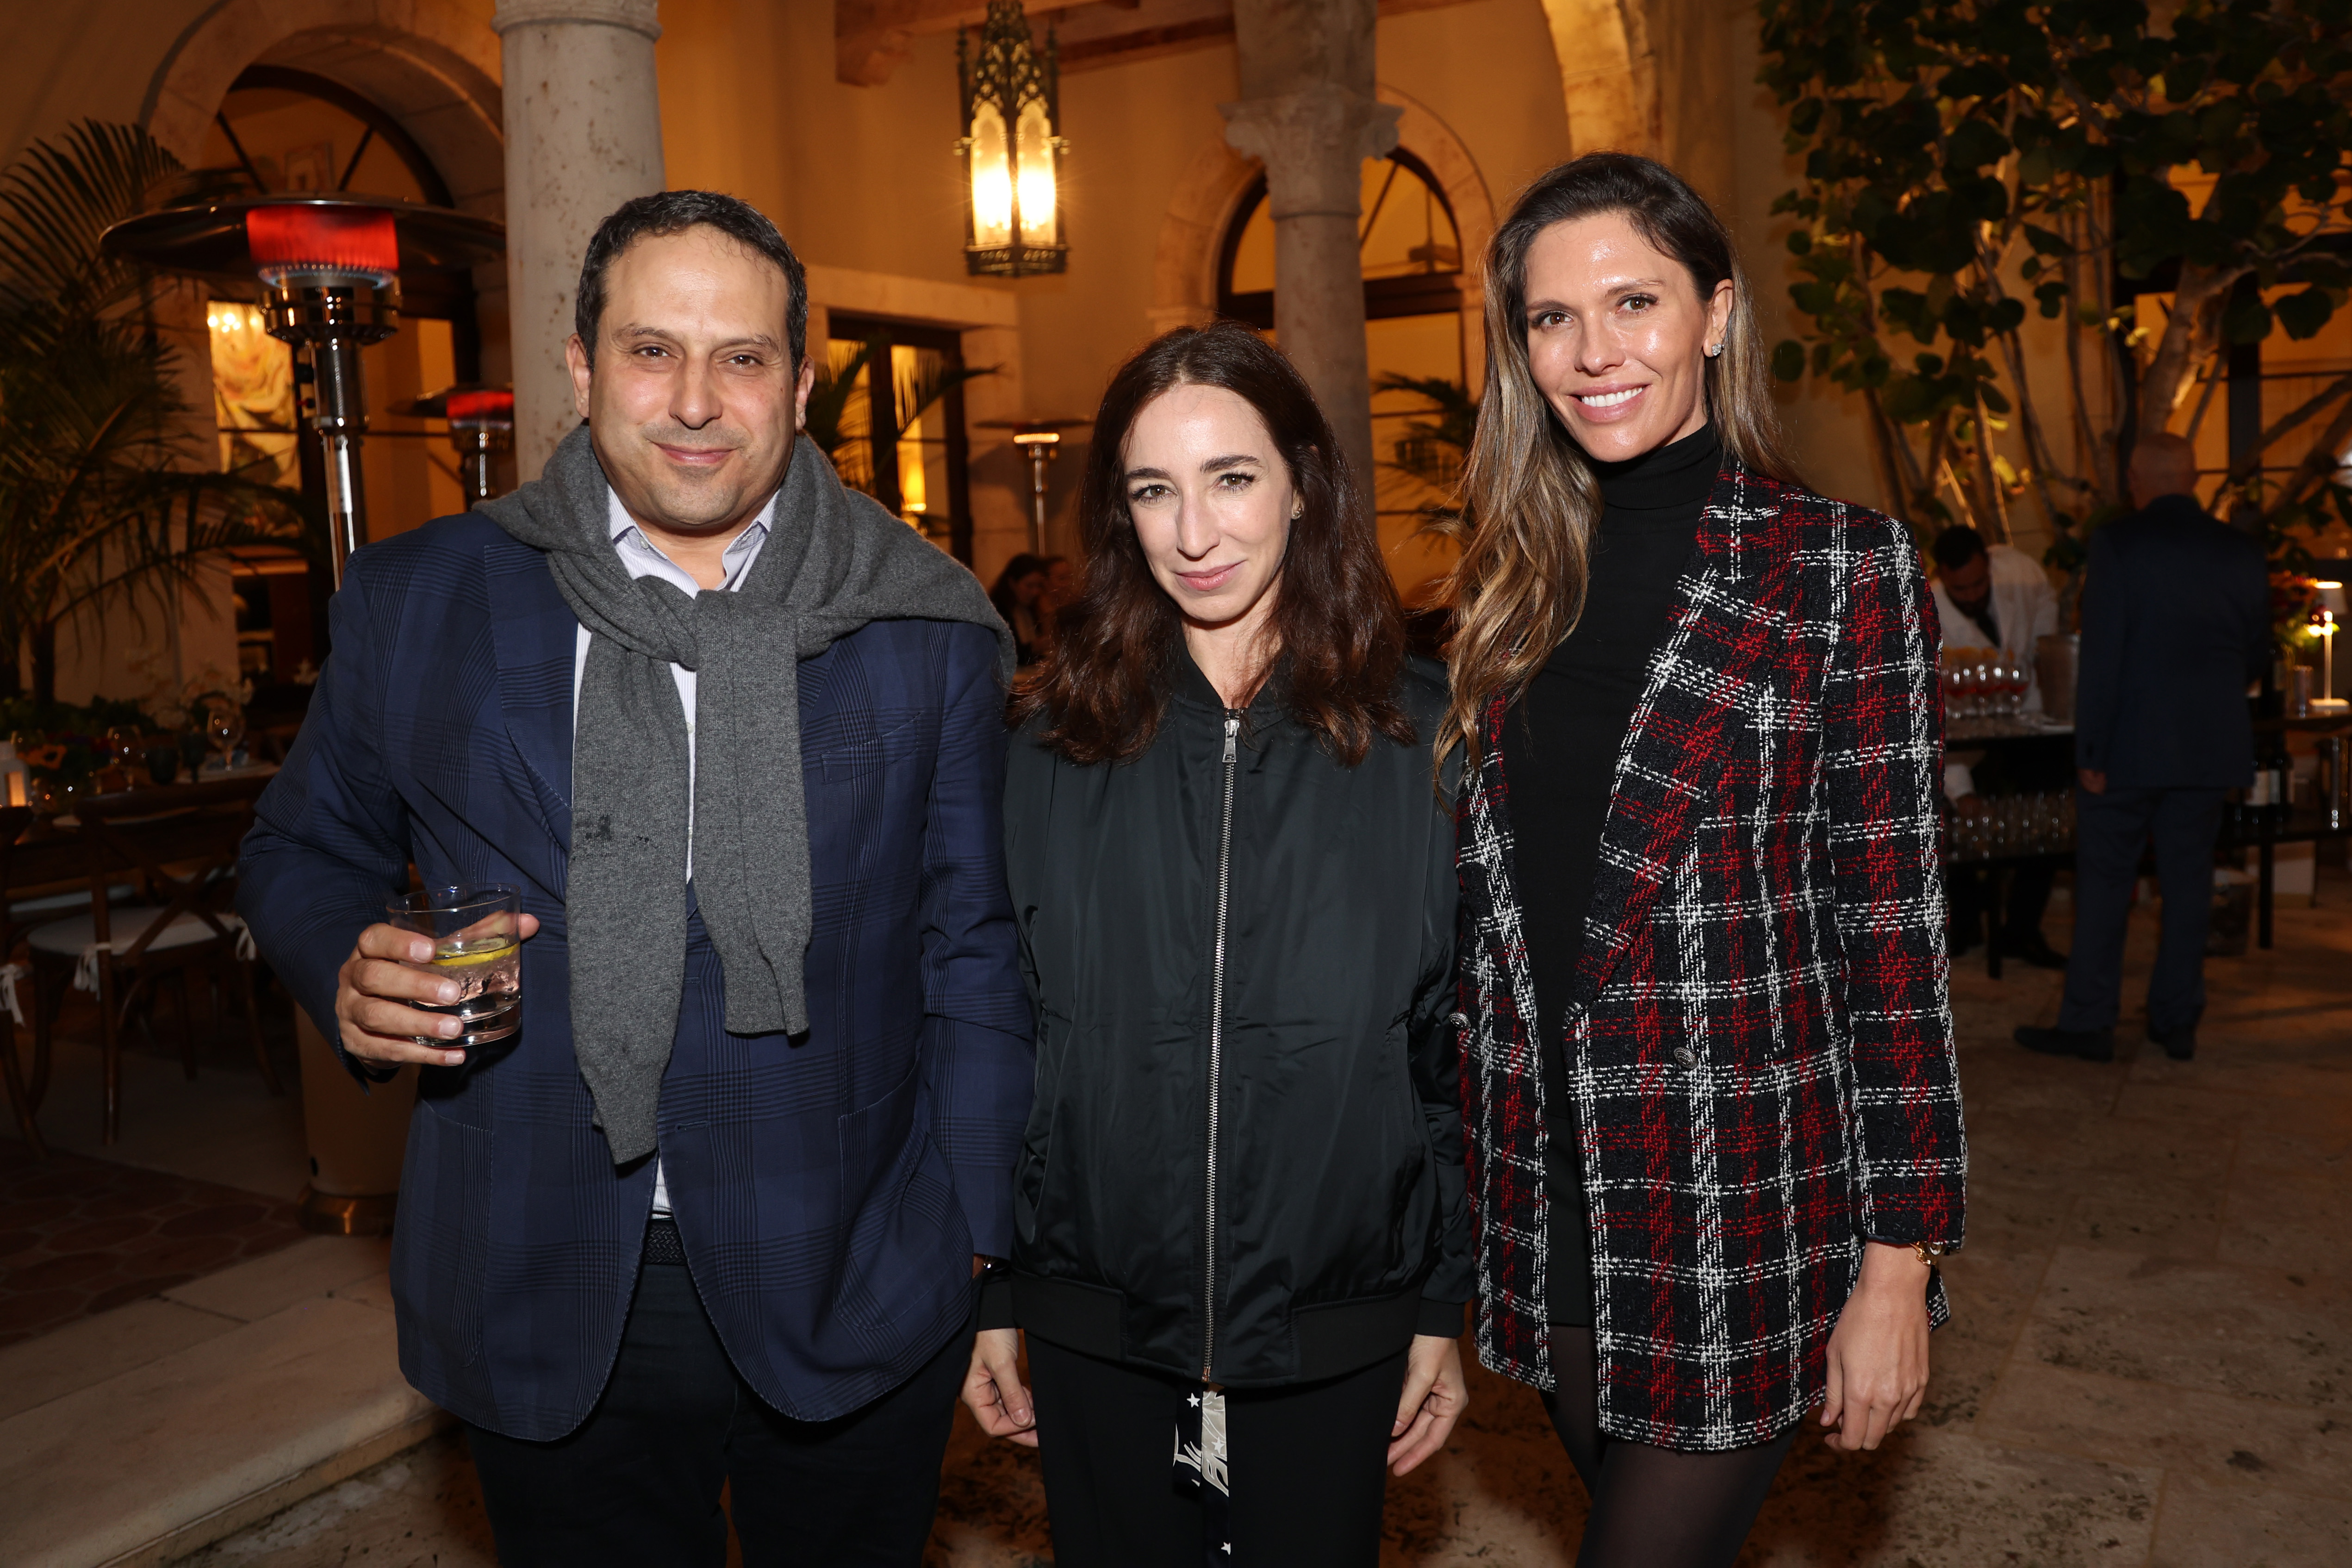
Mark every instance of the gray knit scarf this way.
pixel 834 561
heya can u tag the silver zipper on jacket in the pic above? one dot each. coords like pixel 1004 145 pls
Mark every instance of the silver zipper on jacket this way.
pixel 1217 1050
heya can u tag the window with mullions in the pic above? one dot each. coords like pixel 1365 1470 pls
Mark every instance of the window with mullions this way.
pixel 904 447
pixel 1406 242
pixel 1410 254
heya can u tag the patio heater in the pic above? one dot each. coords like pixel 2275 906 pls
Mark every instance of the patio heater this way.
pixel 481 426
pixel 1039 441
pixel 330 266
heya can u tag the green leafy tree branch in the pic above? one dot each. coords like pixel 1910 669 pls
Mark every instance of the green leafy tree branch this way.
pixel 1970 163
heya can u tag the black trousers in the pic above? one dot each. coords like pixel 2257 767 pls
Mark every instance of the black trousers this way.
pixel 1651 1506
pixel 1308 1466
pixel 638 1485
pixel 2109 831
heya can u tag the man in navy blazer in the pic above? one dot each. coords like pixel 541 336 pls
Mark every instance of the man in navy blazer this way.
pixel 780 1293
pixel 2176 621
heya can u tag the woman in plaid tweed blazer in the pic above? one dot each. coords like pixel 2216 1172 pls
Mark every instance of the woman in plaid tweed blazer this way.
pixel 1764 1118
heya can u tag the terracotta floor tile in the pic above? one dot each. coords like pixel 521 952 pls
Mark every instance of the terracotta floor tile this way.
pixel 98 1228
pixel 216 1219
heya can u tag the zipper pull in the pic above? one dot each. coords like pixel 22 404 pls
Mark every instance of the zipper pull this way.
pixel 1232 733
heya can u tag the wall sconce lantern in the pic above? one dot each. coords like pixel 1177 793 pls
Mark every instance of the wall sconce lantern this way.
pixel 1011 149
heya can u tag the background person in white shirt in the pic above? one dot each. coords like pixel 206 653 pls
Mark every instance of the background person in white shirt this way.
pixel 1994 597
pixel 1997 599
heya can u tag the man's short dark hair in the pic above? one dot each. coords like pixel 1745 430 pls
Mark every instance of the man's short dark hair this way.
pixel 674 212
pixel 1956 547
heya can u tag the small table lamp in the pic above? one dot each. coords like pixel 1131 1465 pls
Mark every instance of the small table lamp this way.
pixel 2326 619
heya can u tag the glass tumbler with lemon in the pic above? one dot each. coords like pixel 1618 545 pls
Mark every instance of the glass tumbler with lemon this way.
pixel 476 931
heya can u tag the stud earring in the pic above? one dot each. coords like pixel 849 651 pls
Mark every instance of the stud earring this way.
pixel 1714 350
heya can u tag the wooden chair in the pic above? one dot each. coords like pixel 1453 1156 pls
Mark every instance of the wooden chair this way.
pixel 183 840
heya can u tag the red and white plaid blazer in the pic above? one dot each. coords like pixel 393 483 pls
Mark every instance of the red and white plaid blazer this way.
pixel 1760 1039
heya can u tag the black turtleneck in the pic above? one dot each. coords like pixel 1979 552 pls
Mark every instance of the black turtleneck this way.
pixel 1560 748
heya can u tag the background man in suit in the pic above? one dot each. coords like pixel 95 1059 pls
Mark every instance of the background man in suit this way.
pixel 2175 621
pixel 1994 598
pixel 738 735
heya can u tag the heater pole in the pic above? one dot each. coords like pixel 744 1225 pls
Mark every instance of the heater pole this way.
pixel 341 419
pixel 1040 446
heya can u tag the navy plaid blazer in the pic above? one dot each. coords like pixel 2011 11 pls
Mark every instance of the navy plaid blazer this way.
pixel 830 1189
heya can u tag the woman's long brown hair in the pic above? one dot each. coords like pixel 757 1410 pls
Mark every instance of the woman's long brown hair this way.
pixel 1529 499
pixel 1336 625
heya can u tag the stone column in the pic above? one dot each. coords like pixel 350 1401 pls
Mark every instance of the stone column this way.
pixel 1308 112
pixel 584 135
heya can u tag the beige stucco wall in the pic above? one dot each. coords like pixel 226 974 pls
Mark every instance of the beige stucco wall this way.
pixel 862 179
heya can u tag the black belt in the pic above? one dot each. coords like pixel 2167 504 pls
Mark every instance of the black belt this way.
pixel 661 1244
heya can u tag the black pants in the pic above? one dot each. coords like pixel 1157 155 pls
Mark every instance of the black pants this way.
pixel 2109 831
pixel 1308 1466
pixel 1652 1507
pixel 638 1485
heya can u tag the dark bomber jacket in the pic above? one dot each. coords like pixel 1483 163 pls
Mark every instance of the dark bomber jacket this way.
pixel 1270 1190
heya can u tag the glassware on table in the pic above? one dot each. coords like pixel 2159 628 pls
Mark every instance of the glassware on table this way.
pixel 477 931
pixel 1960 690
pixel 225 731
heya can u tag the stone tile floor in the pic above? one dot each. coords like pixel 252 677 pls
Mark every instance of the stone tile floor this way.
pixel 2150 1361
pixel 79 1236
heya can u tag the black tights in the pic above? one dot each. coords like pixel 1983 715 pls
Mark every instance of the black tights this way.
pixel 1652 1507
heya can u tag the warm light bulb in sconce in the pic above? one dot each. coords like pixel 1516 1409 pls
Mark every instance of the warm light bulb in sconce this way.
pixel 991 178
pixel 1038 215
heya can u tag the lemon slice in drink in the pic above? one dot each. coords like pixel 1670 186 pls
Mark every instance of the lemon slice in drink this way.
pixel 467 960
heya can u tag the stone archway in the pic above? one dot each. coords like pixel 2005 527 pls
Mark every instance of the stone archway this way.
pixel 1185 268
pixel 427 63
pixel 1607 74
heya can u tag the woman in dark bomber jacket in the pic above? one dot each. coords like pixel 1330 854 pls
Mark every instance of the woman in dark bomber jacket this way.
pixel 1240 1229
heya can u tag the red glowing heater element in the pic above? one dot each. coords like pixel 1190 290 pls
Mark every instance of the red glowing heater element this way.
pixel 290 239
pixel 491 407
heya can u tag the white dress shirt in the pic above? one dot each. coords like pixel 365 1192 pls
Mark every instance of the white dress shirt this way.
pixel 643 560
pixel 2024 608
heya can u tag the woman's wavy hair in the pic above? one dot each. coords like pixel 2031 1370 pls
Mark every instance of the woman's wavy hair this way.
pixel 1337 627
pixel 1529 500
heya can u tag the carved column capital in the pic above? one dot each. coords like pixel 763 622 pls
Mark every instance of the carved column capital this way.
pixel 636 15
pixel 1312 143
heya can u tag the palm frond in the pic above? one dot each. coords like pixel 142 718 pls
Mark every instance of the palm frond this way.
pixel 1432 450
pixel 59 198
pixel 921 387
pixel 103 494
pixel 828 402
